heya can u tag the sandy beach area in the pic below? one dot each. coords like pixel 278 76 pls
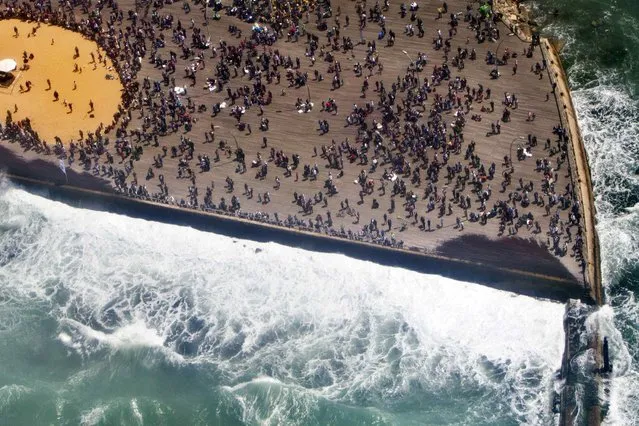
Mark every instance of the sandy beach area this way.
pixel 53 50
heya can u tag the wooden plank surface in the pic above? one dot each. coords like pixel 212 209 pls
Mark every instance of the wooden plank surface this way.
pixel 297 133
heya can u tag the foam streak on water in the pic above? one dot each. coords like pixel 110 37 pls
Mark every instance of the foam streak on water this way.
pixel 601 53
pixel 609 120
pixel 281 332
pixel 602 63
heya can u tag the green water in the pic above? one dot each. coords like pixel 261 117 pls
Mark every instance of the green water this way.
pixel 104 320
pixel 112 320
pixel 602 39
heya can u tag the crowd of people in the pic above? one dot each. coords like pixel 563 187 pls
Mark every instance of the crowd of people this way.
pixel 408 134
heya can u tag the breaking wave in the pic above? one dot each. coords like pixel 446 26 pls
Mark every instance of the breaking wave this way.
pixel 600 53
pixel 609 120
pixel 284 335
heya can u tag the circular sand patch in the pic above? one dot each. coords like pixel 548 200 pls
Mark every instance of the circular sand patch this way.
pixel 54 59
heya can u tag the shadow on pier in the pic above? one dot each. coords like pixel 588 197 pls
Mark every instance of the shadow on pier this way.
pixel 514 265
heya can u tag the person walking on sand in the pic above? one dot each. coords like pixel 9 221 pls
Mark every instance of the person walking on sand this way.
pixel 48 84
pixel 15 32
pixel 91 109
pixel 56 96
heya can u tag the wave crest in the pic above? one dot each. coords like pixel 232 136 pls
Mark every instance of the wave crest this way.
pixel 332 329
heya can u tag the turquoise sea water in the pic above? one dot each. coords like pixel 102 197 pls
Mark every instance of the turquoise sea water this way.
pixel 111 320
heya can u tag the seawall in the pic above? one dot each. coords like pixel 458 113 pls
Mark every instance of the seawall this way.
pixel 583 181
pixel 516 18
pixel 579 163
pixel 459 268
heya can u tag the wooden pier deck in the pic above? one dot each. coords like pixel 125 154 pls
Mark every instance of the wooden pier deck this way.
pixel 297 133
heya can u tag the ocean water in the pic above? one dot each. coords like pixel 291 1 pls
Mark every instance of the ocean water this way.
pixel 106 319
pixel 601 55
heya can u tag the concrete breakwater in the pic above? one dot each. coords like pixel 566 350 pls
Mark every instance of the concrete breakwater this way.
pixel 582 394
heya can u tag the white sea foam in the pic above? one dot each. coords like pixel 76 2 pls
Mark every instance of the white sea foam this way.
pixel 137 415
pixel 608 114
pixel 94 416
pixel 133 335
pixel 609 121
pixel 624 386
pixel 10 394
pixel 325 326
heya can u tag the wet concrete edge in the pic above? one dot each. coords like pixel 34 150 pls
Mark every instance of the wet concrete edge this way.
pixel 469 258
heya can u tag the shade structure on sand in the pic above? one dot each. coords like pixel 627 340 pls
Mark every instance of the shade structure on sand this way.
pixel 8 65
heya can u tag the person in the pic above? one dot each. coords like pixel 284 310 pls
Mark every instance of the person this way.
pixel 158 126
pixel 56 96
